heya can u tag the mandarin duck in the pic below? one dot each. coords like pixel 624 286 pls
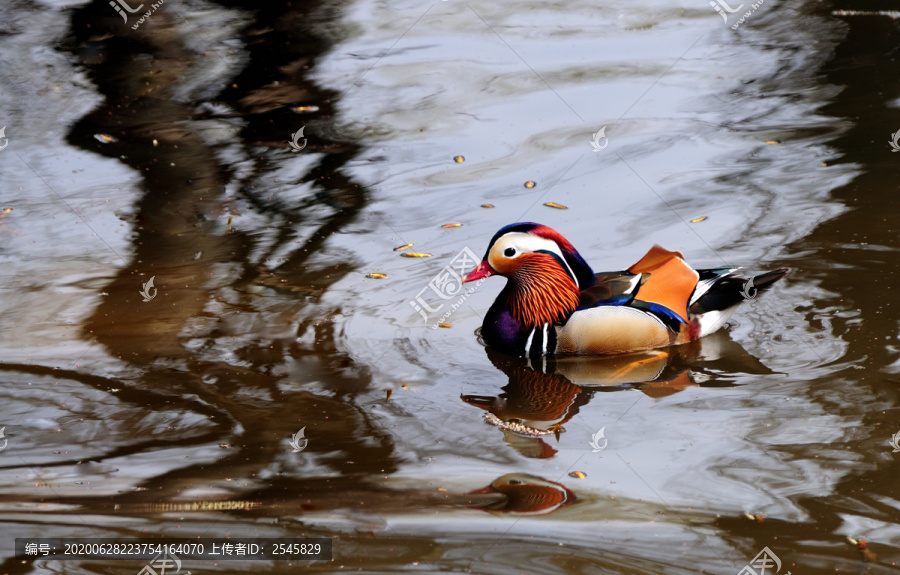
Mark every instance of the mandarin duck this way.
pixel 554 303
pixel 527 495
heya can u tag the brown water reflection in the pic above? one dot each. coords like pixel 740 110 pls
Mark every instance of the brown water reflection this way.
pixel 173 416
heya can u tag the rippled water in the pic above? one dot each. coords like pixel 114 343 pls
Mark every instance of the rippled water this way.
pixel 762 147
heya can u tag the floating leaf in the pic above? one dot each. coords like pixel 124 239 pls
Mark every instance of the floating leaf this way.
pixel 772 142
pixel 105 138
pixel 530 184
pixel 487 205
pixel 578 474
pixel 403 247
pixel 459 159
pixel 555 205
pixel 697 220
pixel 7 210
pixel 415 255
pixel 451 226
pixel 444 325
pixel 376 276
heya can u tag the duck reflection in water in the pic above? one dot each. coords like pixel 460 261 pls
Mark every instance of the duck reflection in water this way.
pixel 544 393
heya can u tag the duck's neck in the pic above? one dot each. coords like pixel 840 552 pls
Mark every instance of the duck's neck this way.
pixel 537 295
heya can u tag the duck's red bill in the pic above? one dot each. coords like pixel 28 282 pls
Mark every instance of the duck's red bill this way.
pixel 484 270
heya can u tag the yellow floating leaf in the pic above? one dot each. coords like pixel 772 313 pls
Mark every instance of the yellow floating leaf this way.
pixel 105 138
pixel 459 159
pixel 772 142
pixel 578 474
pixel 441 489
pixel 697 220
pixel 7 210
pixel 415 255
pixel 451 226
pixel 530 184
pixel 403 247
pixel 487 205
pixel 444 325
pixel 376 276
pixel 555 205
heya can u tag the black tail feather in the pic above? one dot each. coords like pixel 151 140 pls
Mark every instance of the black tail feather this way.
pixel 732 290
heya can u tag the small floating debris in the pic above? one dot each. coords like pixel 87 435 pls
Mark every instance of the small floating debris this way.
pixel 388 397
pixel 758 517
pixel 444 325
pixel 555 205
pixel 772 142
pixel 578 474
pixel 155 142
pixel 304 109
pixel 451 226
pixel 198 255
pixel 459 159
pixel 487 205
pixel 105 138
pixel 416 255
pixel 403 247
pixel 530 184
pixel 698 220
pixel 376 276
pixel 7 210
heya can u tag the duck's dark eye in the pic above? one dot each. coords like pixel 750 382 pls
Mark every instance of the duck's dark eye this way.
pixel 509 252
pixel 514 481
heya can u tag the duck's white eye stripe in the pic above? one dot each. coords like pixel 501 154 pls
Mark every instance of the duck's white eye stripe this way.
pixel 524 242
